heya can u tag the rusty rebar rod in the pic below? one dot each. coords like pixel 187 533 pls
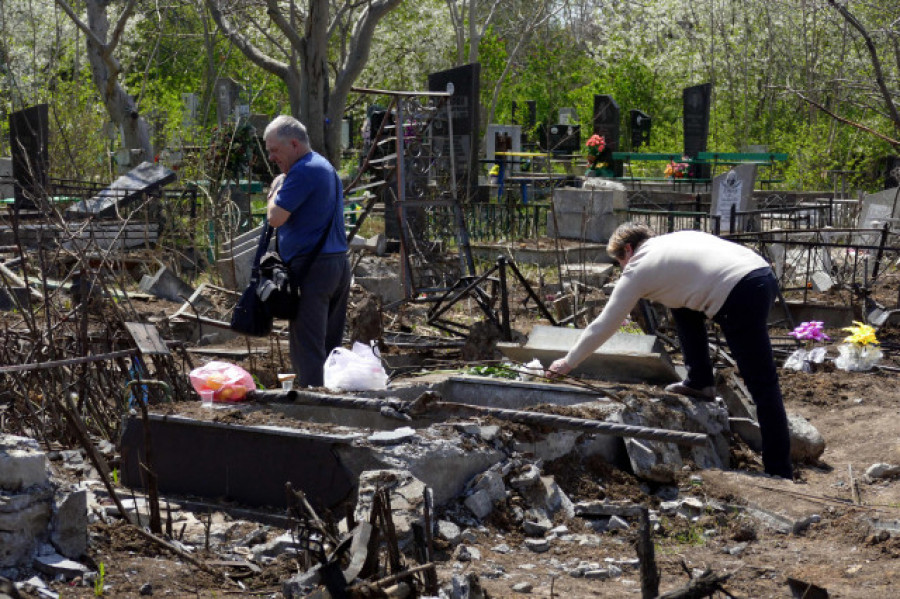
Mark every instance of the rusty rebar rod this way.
pixel 425 404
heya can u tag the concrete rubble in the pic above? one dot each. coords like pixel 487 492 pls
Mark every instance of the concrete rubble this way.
pixel 42 521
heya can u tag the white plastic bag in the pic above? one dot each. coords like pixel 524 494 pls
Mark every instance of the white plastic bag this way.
pixel 855 358
pixel 356 370
pixel 803 359
pixel 530 371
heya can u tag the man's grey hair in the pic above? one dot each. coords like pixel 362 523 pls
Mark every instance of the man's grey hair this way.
pixel 287 127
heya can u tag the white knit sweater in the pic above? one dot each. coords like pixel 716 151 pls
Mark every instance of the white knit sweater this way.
pixel 687 269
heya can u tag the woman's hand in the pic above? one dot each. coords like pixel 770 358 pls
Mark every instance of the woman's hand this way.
pixel 558 368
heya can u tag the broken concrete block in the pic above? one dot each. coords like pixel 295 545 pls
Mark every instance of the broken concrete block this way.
pixel 56 565
pixel 527 478
pixel 403 434
pixel 444 465
pixel 548 496
pixel 807 443
pixel 480 504
pixel 678 414
pixel 374 245
pixel 23 522
pixel 537 545
pixel 449 531
pixel 536 523
pixel 407 495
pixel 69 523
pixel 281 544
pixel 876 471
pixel 166 285
pixel 466 553
pixel 491 481
pixel 22 463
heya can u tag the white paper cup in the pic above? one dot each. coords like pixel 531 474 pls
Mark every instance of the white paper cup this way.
pixel 206 398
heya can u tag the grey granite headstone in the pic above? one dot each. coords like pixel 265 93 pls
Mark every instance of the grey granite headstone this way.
pixel 145 178
pixel 734 188
pixel 228 93
pixel 879 208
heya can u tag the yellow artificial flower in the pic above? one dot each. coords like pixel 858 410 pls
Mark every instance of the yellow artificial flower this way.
pixel 861 334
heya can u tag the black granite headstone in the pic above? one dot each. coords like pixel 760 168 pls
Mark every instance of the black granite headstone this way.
pixel 464 103
pixel 606 124
pixel 28 139
pixel 696 102
pixel 565 139
pixel 639 123
pixel 892 172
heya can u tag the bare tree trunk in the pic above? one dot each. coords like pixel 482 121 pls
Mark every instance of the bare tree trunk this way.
pixel 105 70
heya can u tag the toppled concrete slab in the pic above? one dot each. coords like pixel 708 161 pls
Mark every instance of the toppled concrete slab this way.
pixel 166 285
pixel 624 357
pixel 144 179
pixel 505 393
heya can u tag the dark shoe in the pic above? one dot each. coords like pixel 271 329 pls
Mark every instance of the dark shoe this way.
pixel 706 393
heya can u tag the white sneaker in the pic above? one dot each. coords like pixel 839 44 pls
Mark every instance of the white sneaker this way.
pixel 706 393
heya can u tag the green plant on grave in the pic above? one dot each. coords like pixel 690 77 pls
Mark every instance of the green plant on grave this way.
pixel 100 580
pixel 115 476
pixel 498 372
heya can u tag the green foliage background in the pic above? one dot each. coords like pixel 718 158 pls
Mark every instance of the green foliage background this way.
pixel 758 55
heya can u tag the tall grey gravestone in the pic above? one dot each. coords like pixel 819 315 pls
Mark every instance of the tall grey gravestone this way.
pixel 466 87
pixel 606 123
pixel 639 123
pixel 28 138
pixel 734 188
pixel 696 103
pixel 228 94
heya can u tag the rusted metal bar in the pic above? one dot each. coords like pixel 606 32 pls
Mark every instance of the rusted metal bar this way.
pixel 426 404
pixel 583 424
pixel 69 362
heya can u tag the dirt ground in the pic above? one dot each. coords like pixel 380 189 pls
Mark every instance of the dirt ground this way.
pixel 857 413
pixel 841 551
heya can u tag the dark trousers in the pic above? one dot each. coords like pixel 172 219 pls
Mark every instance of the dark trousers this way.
pixel 319 325
pixel 743 320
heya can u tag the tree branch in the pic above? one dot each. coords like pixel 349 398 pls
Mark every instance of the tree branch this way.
pixel 876 63
pixel 283 24
pixel 81 24
pixel 893 142
pixel 120 25
pixel 255 55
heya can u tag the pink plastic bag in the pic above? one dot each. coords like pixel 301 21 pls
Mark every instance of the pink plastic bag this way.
pixel 228 382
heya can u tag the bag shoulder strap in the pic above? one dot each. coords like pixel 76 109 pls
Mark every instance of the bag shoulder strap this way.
pixel 264 240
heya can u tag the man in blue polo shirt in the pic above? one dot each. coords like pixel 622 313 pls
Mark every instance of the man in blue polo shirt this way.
pixel 305 200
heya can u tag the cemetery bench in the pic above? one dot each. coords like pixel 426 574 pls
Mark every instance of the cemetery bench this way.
pixel 629 158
